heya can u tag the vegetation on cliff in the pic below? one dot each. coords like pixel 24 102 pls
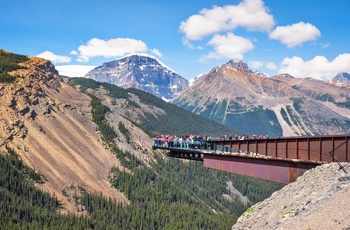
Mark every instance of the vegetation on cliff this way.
pixel 8 63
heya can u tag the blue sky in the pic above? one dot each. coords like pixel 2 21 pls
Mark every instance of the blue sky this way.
pixel 303 38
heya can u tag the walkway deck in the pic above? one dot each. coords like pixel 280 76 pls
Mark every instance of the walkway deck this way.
pixel 277 159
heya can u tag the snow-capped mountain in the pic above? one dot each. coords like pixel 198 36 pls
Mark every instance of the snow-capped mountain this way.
pixel 143 72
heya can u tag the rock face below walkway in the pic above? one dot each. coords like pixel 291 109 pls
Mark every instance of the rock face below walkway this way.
pixel 320 199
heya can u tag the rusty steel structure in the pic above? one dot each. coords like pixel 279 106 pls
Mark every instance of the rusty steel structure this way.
pixel 278 159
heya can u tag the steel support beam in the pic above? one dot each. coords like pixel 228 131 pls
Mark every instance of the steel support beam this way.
pixel 282 171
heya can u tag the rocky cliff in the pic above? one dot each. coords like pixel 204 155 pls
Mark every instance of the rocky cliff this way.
pixel 276 106
pixel 317 200
pixel 141 72
pixel 48 124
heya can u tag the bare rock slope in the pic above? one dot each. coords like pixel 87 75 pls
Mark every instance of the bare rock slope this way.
pixel 48 123
pixel 320 199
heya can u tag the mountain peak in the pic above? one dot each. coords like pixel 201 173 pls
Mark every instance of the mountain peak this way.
pixel 343 77
pixel 141 71
pixel 238 65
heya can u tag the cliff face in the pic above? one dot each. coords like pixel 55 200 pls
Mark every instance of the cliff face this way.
pixel 317 200
pixel 48 123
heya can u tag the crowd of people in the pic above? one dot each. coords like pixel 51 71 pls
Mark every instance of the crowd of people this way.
pixel 194 141
pixel 188 141
pixel 243 137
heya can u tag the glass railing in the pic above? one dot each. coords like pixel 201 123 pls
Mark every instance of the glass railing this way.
pixel 195 145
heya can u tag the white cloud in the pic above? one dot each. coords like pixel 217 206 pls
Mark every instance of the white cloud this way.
pixel 256 64
pixel 157 52
pixel 189 45
pixel 229 46
pixel 271 65
pixel 73 52
pixel 250 14
pixel 296 34
pixel 110 48
pixel 74 70
pixel 53 57
pixel 318 67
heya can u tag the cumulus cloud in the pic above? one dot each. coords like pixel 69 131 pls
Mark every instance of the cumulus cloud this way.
pixel 271 65
pixel 295 34
pixel 110 48
pixel 53 57
pixel 229 46
pixel 74 70
pixel 250 14
pixel 157 52
pixel 318 67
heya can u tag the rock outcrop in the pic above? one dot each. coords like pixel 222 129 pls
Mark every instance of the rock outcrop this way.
pixel 319 199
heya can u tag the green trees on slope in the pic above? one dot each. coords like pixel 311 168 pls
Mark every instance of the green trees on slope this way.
pixel 174 120
pixel 9 62
pixel 22 205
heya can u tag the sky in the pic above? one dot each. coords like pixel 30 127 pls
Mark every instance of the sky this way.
pixel 302 38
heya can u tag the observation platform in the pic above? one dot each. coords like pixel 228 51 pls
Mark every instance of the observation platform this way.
pixel 277 159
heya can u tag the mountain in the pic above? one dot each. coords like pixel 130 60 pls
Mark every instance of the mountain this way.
pixel 141 72
pixel 281 105
pixel 342 77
